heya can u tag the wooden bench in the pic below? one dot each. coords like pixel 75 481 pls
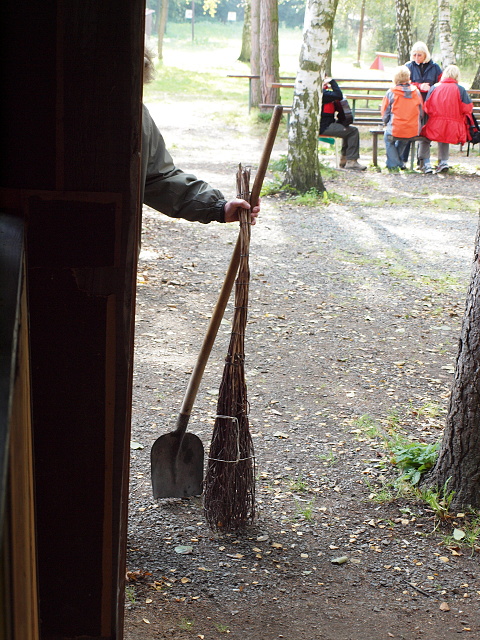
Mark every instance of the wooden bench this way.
pixel 250 80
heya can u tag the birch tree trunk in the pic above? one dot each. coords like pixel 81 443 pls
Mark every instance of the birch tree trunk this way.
pixel 269 60
pixel 404 31
pixel 303 167
pixel 255 51
pixel 459 458
pixel 246 51
pixel 445 33
pixel 162 21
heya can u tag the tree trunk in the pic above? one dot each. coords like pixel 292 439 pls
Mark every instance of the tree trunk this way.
pixel 256 96
pixel 432 31
pixel 303 167
pixel 404 31
pixel 269 60
pixel 476 80
pixel 246 51
pixel 457 45
pixel 360 33
pixel 162 21
pixel 445 33
pixel 459 458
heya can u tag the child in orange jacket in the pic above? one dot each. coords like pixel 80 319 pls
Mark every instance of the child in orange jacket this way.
pixel 402 111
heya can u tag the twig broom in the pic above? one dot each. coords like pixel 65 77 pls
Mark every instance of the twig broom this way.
pixel 229 486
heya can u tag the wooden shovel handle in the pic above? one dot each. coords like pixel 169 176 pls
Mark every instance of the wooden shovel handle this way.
pixel 219 310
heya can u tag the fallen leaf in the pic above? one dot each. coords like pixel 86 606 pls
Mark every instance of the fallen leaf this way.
pixel 458 534
pixel 281 435
pixel 339 560
pixel 444 606
pixel 148 601
pixel 136 445
pixel 185 580
pixel 146 621
pixel 183 550
pixel 444 559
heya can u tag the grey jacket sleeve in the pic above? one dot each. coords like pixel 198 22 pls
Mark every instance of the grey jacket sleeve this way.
pixel 170 190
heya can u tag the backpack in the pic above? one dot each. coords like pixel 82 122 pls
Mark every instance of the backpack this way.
pixel 344 113
pixel 473 130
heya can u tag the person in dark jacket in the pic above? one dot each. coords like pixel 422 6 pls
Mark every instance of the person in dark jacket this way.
pixel 424 73
pixel 330 127
pixel 173 192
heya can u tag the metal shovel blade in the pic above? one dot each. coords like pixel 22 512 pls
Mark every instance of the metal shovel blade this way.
pixel 177 472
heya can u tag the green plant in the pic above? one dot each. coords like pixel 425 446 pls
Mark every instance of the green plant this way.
pixel 185 624
pixel 222 628
pixel 328 458
pixel 305 510
pixel 381 495
pixel 278 165
pixel 310 198
pixel 130 594
pixel 438 500
pixel 467 535
pixel 429 409
pixel 272 187
pixel 368 426
pixel 298 484
pixel 414 458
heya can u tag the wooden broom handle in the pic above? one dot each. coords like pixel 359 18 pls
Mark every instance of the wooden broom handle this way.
pixel 219 310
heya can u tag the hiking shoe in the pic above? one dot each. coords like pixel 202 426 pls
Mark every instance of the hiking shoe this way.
pixel 343 162
pixel 442 168
pixel 353 164
pixel 427 168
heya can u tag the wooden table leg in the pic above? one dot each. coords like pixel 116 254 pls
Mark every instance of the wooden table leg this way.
pixel 375 149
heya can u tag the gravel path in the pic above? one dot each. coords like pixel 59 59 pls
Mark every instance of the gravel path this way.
pixel 355 314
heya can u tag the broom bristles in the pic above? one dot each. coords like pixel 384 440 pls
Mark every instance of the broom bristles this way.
pixel 229 487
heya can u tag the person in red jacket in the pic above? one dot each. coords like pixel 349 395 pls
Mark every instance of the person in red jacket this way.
pixel 446 106
pixel 402 111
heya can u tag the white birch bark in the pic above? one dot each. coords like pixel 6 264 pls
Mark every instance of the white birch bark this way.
pixel 404 31
pixel 255 52
pixel 445 33
pixel 303 167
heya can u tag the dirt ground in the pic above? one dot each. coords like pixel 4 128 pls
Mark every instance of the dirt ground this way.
pixel 354 318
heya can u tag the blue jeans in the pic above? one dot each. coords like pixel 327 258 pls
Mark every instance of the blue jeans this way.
pixel 395 149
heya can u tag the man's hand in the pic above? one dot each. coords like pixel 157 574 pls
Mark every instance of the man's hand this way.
pixel 231 210
pixel 424 87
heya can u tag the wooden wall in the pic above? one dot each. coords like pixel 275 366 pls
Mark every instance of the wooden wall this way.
pixel 70 130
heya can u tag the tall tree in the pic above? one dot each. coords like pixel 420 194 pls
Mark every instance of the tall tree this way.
pixel 432 30
pixel 445 33
pixel 269 58
pixel 403 30
pixel 476 80
pixel 246 51
pixel 303 167
pixel 360 33
pixel 459 457
pixel 256 95
pixel 161 23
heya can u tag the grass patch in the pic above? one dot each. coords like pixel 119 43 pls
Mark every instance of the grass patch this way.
pixel 185 624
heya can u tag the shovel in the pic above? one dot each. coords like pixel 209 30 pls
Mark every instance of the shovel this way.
pixel 177 457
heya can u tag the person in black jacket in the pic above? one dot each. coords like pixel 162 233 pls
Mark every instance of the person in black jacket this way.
pixel 330 127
